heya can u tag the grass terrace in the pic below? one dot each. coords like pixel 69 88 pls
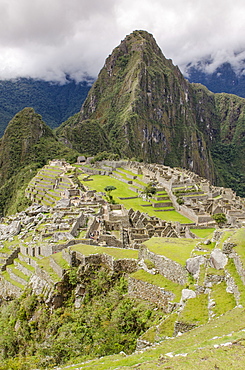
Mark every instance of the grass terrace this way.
pixel 195 353
pixel 176 249
pixel 116 253
pixel 195 310
pixel 203 233
pixel 159 281
pixel 122 191
pixel 239 239
pixel 223 301
pixel 44 264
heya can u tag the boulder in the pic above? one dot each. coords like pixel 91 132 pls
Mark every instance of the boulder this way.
pixel 193 265
pixel 187 294
pixel 218 259
pixel 61 236
pixel 63 203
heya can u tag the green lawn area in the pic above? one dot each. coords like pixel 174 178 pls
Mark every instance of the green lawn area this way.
pixel 122 190
pixel 223 301
pixel 44 264
pixel 160 281
pixel 203 233
pixel 60 260
pixel 239 238
pixel 195 310
pixel 198 344
pixel 177 249
pixel 117 253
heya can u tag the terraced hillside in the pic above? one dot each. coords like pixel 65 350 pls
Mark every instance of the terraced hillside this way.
pixel 192 274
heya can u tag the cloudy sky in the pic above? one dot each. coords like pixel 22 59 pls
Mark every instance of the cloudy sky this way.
pixel 48 38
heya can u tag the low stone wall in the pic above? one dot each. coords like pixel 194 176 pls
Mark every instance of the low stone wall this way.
pixel 75 258
pixel 43 275
pixel 110 240
pixel 10 259
pixel 69 256
pixel 57 269
pixel 77 224
pixel 182 327
pixel 14 277
pixel 9 290
pixel 239 265
pixel 166 267
pixel 127 265
pixel 143 290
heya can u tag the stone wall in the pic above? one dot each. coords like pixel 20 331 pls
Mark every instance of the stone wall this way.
pixel 57 269
pixel 143 290
pixel 9 290
pixel 239 265
pixel 166 267
pixel 10 259
pixel 110 240
pixel 80 221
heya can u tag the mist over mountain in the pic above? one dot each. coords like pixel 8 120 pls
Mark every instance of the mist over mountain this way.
pixel 55 102
pixel 225 78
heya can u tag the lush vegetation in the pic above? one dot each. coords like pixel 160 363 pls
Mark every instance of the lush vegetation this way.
pixel 106 323
pixel 54 101
pixel 27 145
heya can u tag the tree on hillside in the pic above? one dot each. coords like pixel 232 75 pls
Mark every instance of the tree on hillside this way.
pixel 220 219
pixel 149 190
pixel 108 189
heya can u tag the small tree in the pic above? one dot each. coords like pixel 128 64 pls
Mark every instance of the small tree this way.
pixel 149 190
pixel 108 189
pixel 220 219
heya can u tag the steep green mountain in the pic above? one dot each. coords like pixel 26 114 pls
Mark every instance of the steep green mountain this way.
pixel 55 102
pixel 146 109
pixel 27 144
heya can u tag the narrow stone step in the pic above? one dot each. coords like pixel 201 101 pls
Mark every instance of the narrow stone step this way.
pixel 12 285
pixel 17 275
pixel 24 267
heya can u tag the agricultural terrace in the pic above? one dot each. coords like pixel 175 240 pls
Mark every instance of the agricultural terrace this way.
pixel 116 253
pixel 99 182
pixel 176 249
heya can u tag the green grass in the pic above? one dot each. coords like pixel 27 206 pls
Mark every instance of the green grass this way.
pixel 18 273
pixel 44 264
pixel 129 172
pixel 159 281
pixel 25 264
pixel 226 234
pixel 177 249
pixel 239 239
pixel 203 233
pixel 198 344
pixel 231 268
pixel 60 260
pixel 122 191
pixel 223 301
pixel 150 335
pixel 6 276
pixel 166 328
pixel 195 310
pixel 117 253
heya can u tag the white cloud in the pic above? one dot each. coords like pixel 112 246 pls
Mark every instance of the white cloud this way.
pixel 49 38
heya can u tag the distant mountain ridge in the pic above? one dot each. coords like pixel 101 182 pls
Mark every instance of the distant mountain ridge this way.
pixel 55 102
pixel 223 79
